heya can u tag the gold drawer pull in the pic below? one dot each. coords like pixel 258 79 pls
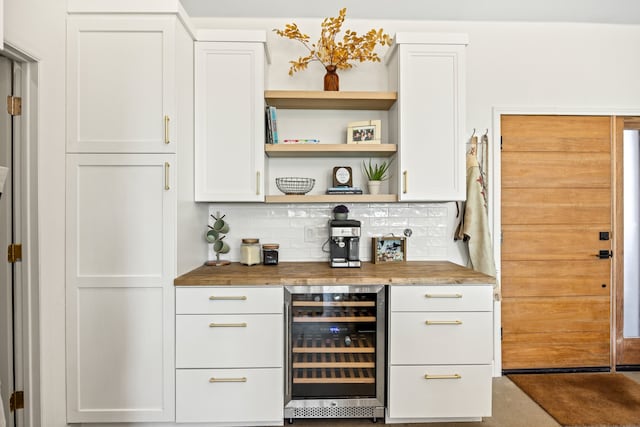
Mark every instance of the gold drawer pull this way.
pixel 442 377
pixel 166 176
pixel 231 298
pixel 228 380
pixel 257 183
pixel 456 295
pixel 404 182
pixel 167 140
pixel 228 325
pixel 443 322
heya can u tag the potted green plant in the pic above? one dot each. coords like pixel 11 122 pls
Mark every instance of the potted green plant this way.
pixel 376 173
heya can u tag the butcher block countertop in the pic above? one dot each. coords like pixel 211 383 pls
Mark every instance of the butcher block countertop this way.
pixel 320 273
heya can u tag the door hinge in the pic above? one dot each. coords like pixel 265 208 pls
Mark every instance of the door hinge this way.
pixel 16 401
pixel 14 105
pixel 14 252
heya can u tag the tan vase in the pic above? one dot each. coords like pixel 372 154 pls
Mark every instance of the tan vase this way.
pixel 374 187
pixel 331 79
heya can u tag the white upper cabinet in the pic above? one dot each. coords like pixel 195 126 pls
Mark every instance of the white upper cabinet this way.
pixel 121 84
pixel 427 122
pixel 229 116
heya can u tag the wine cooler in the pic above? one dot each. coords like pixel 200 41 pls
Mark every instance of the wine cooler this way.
pixel 335 347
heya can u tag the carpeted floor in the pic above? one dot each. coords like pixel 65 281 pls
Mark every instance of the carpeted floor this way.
pixel 584 399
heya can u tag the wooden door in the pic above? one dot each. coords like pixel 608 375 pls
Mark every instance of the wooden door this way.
pixel 556 206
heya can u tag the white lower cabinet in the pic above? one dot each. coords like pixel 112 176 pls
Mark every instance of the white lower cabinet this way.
pixel 439 391
pixel 440 353
pixel 230 396
pixel 230 355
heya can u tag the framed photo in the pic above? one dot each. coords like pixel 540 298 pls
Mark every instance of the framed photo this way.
pixel 366 132
pixel 388 249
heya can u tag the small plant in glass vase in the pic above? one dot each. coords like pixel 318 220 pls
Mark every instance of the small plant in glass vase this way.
pixel 376 173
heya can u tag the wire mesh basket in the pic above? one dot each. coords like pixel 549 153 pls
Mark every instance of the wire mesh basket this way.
pixel 293 185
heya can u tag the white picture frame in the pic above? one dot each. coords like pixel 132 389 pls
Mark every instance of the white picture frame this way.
pixel 364 132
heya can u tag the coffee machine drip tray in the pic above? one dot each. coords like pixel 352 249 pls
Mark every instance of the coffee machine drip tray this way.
pixel 341 262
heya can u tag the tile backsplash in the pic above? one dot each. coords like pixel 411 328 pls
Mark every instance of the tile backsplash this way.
pixel 302 229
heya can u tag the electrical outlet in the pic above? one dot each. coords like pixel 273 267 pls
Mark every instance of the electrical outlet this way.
pixel 310 234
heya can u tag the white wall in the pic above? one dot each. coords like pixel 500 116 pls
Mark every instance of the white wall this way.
pixel 552 65
pixel 301 230
pixel 38 28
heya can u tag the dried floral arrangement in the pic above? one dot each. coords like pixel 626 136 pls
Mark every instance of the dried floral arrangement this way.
pixel 334 54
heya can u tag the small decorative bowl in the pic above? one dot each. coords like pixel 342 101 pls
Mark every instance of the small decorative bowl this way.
pixel 293 185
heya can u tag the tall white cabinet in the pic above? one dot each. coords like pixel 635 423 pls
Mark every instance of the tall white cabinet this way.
pixel 129 157
pixel 229 121
pixel 428 119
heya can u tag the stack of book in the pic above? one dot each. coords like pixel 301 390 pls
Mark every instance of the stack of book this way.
pixel 271 128
pixel 343 189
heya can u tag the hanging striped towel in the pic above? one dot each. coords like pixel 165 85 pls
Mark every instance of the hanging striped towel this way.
pixel 475 223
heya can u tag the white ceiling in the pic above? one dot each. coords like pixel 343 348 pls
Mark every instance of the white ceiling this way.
pixel 595 11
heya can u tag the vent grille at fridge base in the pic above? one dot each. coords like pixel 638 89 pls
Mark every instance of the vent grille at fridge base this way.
pixel 336 412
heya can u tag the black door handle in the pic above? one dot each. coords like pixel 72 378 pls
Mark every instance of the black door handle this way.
pixel 604 254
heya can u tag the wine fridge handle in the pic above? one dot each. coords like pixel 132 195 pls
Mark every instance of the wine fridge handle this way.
pixel 287 351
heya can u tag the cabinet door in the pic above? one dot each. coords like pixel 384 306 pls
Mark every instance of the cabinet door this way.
pixel 230 397
pixel 229 341
pixel 439 391
pixel 431 122
pixel 120 84
pixel 120 253
pixel 229 121
pixel 440 338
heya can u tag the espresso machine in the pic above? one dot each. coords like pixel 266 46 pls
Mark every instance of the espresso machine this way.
pixel 344 243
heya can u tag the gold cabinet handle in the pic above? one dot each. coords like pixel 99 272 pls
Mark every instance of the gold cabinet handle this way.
pixel 166 130
pixel 442 377
pixel 228 380
pixel 404 182
pixel 228 325
pixel 257 183
pixel 166 176
pixel 456 295
pixel 443 322
pixel 229 298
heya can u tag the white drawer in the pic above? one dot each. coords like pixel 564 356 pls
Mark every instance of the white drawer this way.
pixel 439 338
pixel 444 395
pixel 238 397
pixel 229 341
pixel 441 298
pixel 229 300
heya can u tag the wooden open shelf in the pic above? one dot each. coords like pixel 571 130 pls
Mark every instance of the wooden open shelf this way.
pixel 329 100
pixel 332 198
pixel 330 150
